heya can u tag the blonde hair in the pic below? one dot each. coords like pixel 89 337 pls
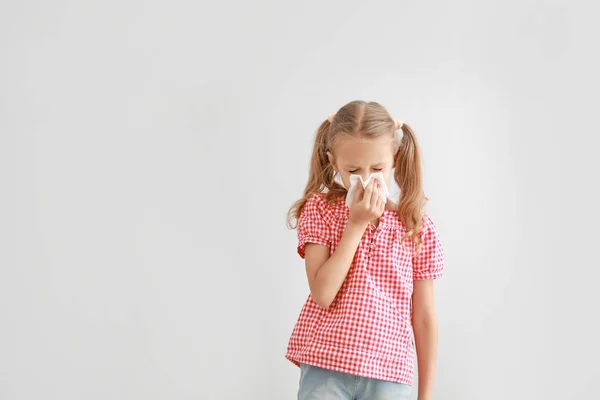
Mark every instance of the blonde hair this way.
pixel 369 120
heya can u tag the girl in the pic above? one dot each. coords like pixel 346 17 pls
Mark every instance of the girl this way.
pixel 370 266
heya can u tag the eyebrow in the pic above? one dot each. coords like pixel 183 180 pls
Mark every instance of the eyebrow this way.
pixel 379 164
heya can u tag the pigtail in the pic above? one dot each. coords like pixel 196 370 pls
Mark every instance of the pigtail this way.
pixel 320 174
pixel 409 178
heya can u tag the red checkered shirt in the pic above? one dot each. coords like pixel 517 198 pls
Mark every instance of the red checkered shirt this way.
pixel 367 330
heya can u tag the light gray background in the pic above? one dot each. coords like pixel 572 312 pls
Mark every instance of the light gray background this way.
pixel 149 152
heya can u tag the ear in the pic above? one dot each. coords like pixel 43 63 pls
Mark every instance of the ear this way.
pixel 332 160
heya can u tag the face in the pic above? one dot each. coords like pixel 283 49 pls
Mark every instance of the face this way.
pixel 362 156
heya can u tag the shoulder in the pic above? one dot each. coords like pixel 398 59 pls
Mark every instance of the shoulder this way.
pixel 429 233
pixel 317 205
pixel 320 201
pixel 316 200
pixel 428 223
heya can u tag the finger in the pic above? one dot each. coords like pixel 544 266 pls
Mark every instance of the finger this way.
pixel 369 193
pixel 376 195
pixel 381 203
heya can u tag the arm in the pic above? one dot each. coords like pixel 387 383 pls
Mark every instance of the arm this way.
pixel 327 274
pixel 426 331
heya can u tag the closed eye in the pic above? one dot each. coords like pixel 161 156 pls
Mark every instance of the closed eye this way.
pixel 356 170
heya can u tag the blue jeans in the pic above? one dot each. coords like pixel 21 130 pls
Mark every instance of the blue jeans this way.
pixel 323 384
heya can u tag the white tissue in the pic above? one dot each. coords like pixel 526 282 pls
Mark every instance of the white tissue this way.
pixel 354 179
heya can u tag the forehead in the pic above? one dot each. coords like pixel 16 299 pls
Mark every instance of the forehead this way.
pixel 361 150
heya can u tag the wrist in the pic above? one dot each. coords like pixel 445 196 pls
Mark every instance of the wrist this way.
pixel 359 226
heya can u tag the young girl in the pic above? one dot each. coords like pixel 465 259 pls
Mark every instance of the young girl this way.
pixel 370 266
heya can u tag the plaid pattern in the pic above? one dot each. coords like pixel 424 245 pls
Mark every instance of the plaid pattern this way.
pixel 367 330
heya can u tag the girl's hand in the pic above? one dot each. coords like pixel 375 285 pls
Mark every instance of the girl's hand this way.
pixel 367 205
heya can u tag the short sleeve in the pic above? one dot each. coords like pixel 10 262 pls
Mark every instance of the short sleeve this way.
pixel 429 264
pixel 312 224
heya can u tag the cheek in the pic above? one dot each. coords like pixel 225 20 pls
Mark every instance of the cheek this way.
pixel 345 176
pixel 346 180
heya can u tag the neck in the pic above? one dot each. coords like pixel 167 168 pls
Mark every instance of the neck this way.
pixel 390 205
